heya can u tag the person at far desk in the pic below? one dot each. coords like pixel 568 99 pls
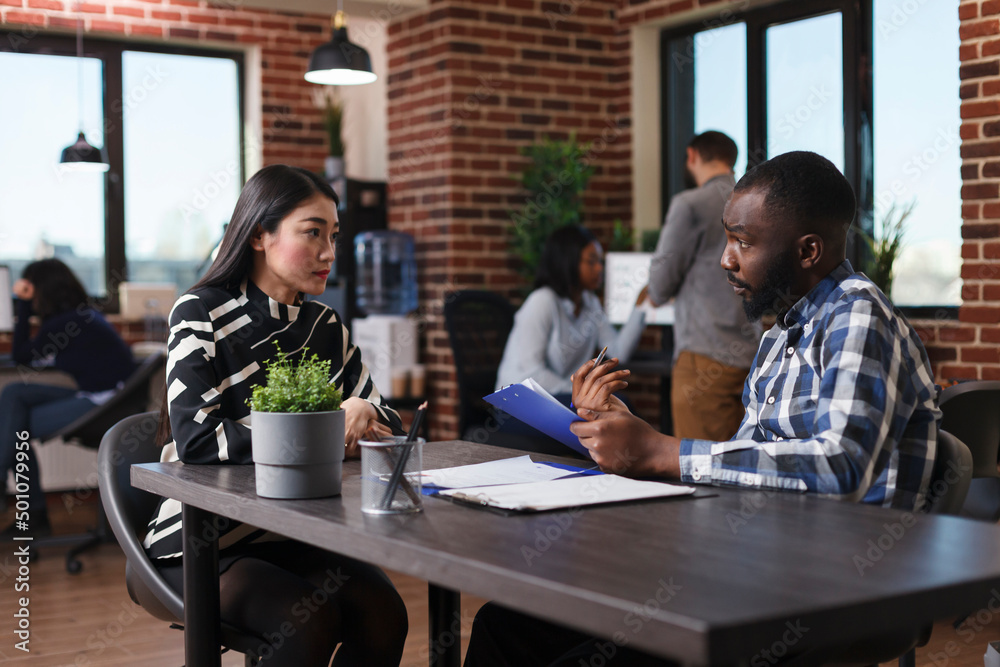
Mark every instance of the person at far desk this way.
pixel 73 338
pixel 278 247
pixel 562 323
pixel 714 344
pixel 840 401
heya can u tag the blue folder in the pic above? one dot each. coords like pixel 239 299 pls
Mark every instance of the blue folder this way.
pixel 552 419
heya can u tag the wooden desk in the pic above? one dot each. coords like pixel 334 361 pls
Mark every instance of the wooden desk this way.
pixel 707 581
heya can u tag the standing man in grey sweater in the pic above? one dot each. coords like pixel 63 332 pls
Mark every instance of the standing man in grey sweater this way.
pixel 714 344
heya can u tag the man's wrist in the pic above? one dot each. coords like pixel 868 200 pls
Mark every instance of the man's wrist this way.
pixel 668 462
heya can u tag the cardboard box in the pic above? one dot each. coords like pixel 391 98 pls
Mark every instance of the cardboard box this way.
pixel 141 300
pixel 388 346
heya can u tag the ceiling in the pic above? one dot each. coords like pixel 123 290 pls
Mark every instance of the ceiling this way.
pixel 380 9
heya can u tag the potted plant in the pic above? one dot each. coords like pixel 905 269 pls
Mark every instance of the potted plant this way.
pixel 554 180
pixel 297 429
pixel 885 246
pixel 333 116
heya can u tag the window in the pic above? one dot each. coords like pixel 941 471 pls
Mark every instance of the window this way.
pixel 917 145
pixel 170 124
pixel 44 212
pixel 869 85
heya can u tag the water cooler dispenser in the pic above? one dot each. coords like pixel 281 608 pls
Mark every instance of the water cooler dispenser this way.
pixel 386 291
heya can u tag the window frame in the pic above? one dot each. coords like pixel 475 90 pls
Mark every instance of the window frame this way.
pixel 110 53
pixel 677 121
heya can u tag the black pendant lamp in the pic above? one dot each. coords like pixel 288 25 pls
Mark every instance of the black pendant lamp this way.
pixel 81 156
pixel 340 62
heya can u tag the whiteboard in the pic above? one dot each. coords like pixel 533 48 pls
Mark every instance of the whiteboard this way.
pixel 625 274
pixel 6 301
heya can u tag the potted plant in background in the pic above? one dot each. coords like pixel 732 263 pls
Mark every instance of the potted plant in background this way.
pixel 333 116
pixel 885 246
pixel 554 181
pixel 297 435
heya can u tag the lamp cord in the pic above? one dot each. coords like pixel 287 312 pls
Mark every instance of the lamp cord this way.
pixel 79 66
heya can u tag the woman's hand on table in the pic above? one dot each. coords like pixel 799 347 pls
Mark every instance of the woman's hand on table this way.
pixel 361 423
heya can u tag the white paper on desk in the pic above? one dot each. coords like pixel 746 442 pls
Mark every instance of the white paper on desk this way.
pixel 572 492
pixel 505 471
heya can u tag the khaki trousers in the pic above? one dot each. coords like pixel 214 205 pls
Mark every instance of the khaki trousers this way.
pixel 706 397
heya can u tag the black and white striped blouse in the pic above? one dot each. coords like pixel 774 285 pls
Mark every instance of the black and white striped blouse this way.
pixel 219 340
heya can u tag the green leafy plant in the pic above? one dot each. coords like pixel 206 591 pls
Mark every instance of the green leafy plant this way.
pixel 333 116
pixel 622 237
pixel 291 387
pixel 650 237
pixel 556 176
pixel 884 246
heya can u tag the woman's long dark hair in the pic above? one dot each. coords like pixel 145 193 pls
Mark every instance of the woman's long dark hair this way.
pixel 267 199
pixel 57 289
pixel 560 265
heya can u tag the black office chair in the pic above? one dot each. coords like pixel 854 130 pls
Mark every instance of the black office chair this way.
pixel 971 410
pixel 949 485
pixel 87 431
pixel 133 440
pixel 478 324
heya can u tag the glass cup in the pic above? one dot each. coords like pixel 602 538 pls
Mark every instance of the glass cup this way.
pixel 385 487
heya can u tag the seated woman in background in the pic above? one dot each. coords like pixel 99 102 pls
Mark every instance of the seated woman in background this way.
pixel 562 323
pixel 278 247
pixel 73 338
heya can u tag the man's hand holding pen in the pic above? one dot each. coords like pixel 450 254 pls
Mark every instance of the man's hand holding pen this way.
pixel 618 441
pixel 595 383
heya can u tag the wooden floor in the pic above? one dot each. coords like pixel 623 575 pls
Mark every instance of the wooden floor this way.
pixel 88 618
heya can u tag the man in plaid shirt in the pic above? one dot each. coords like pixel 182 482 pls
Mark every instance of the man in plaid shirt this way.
pixel 840 400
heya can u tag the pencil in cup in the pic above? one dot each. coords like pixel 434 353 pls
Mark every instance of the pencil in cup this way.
pixel 404 456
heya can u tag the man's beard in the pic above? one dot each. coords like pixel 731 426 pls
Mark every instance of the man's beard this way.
pixel 773 294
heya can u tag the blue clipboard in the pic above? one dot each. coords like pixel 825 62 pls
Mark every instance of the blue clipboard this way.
pixel 552 419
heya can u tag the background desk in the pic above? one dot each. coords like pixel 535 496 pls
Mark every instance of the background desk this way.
pixel 709 581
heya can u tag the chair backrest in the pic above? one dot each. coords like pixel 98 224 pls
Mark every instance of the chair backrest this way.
pixel 971 411
pixel 133 440
pixel 131 399
pixel 478 324
pixel 950 476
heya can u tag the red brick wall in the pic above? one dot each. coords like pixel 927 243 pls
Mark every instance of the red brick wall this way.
pixel 472 81
pixel 292 128
pixel 974 342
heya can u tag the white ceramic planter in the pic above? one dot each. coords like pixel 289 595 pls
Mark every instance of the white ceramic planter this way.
pixel 297 454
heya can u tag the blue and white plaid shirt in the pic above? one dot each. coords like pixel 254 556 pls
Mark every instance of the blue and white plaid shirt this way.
pixel 840 402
